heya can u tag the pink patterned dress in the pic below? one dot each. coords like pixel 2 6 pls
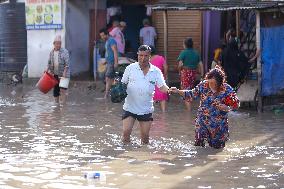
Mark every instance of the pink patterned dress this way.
pixel 159 62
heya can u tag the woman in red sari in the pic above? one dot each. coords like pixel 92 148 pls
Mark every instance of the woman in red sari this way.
pixel 188 61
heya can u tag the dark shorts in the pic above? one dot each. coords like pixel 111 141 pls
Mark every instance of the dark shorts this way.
pixel 56 89
pixel 110 73
pixel 145 117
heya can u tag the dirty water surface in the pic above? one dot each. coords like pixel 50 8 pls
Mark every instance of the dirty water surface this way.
pixel 44 145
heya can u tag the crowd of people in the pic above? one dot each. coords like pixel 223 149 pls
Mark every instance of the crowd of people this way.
pixel 146 82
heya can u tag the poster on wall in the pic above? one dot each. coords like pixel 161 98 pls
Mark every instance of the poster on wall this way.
pixel 43 14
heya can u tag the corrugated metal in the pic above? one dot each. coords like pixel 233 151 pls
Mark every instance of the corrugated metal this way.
pixel 181 24
pixel 13 37
pixel 218 5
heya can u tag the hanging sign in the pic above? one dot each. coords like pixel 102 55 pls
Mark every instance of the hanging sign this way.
pixel 43 14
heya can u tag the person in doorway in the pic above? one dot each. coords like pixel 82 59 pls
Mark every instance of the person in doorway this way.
pixel 218 55
pixel 118 36
pixel 147 34
pixel 217 98
pixel 235 64
pixel 122 26
pixel 160 62
pixel 188 62
pixel 111 56
pixel 141 78
pixel 58 65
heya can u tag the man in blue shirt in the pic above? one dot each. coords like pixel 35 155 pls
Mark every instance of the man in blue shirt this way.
pixel 111 56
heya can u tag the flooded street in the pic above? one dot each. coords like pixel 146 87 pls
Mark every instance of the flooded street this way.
pixel 47 146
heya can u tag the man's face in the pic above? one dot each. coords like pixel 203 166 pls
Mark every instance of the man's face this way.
pixel 144 57
pixel 57 45
pixel 103 36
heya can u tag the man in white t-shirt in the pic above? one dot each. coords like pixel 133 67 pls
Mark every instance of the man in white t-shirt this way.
pixel 141 78
pixel 147 34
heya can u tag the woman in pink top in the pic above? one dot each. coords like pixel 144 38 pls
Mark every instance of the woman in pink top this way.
pixel 160 62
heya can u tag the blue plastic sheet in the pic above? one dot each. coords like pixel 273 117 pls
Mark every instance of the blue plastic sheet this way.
pixel 272 45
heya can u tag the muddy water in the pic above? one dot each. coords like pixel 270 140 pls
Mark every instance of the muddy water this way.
pixel 47 146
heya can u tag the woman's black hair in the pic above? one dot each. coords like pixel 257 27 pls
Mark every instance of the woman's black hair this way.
pixel 218 74
pixel 188 42
pixel 103 30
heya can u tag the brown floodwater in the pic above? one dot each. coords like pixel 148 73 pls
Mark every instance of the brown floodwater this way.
pixel 44 145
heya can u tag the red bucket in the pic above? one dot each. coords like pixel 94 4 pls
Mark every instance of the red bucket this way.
pixel 46 82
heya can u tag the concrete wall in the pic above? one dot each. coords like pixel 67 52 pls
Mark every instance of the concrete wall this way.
pixel 39 44
pixel 78 33
pixel 75 38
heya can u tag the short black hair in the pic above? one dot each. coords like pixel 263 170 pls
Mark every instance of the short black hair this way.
pixel 144 48
pixel 104 30
pixel 188 42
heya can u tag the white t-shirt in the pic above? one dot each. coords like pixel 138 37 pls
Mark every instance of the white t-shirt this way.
pixel 56 62
pixel 141 88
pixel 148 35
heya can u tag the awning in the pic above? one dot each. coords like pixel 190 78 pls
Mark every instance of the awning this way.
pixel 219 5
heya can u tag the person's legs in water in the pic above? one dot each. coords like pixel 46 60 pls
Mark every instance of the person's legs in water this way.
pixel 188 105
pixel 128 123
pixel 109 78
pixel 144 131
pixel 217 144
pixel 63 95
pixel 56 90
pixel 163 105
pixel 199 140
pixel 109 82
pixel 200 134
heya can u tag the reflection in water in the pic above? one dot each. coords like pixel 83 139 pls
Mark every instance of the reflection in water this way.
pixel 48 146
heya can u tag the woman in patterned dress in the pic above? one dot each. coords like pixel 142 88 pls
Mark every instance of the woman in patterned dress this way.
pixel 217 98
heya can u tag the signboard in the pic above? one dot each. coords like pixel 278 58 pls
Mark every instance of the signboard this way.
pixel 43 14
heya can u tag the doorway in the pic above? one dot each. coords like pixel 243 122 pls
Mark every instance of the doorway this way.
pixel 134 24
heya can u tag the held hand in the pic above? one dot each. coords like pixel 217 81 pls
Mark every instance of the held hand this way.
pixel 173 90
pixel 115 65
pixel 223 107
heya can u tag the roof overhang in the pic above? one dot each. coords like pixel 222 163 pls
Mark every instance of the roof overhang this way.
pixel 225 5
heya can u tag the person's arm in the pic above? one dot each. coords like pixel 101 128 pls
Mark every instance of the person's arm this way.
pixel 179 66
pixel 180 61
pixel 115 54
pixel 155 35
pixel 66 62
pixel 48 69
pixel 125 77
pixel 230 102
pixel 165 67
pixel 141 37
pixel 141 40
pixel 164 89
pixel 257 53
pixel 228 35
pixel 201 69
pixel 176 90
pixel 161 84
pixel 193 93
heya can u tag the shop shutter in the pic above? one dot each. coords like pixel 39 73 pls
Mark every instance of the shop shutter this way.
pixel 181 24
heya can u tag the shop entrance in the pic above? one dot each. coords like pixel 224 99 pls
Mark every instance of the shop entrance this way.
pixel 134 24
